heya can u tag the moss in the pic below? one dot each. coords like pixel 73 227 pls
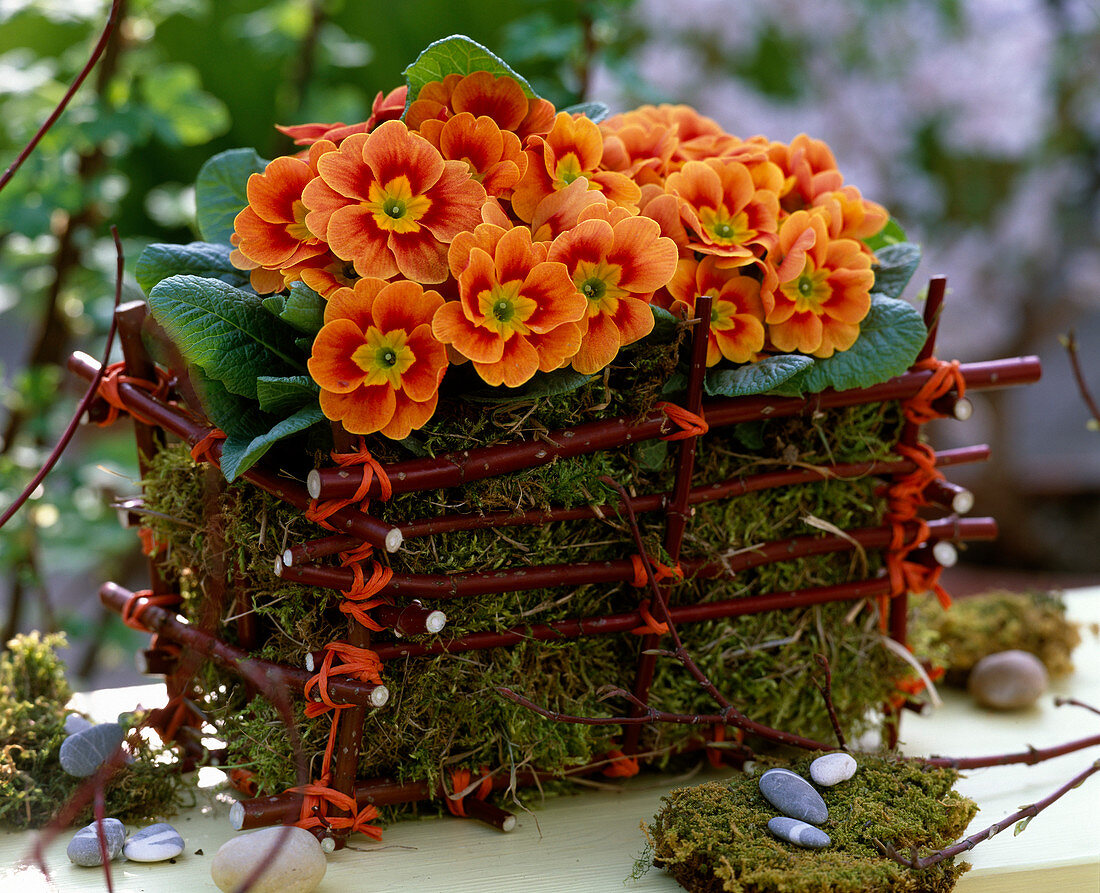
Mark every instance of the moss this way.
pixel 33 786
pixel 714 837
pixel 444 709
pixel 976 626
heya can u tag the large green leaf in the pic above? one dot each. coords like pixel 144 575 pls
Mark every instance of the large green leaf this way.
pixel 220 191
pixel 303 308
pixel 282 395
pixel 225 331
pixel 457 54
pixel 757 378
pixel 890 337
pixel 894 267
pixel 240 454
pixel 237 416
pixel 159 261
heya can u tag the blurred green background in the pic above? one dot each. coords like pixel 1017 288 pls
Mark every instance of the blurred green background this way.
pixel 977 122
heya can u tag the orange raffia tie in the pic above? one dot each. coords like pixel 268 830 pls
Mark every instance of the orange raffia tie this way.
pixel 360 663
pixel 690 424
pixel 460 780
pixel 138 601
pixel 661 572
pixel 946 376
pixel 361 597
pixel 621 766
pixel 113 376
pixel 203 450
pixel 320 512
pixel 317 797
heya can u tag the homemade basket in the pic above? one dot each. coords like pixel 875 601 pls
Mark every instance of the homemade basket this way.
pixel 387 623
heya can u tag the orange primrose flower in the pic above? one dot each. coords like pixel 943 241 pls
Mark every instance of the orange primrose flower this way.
pixel 824 287
pixel 616 262
pixel 572 149
pixel 495 157
pixel 271 231
pixel 388 202
pixel 809 169
pixel 375 359
pixel 499 97
pixel 730 207
pixel 737 307
pixel 517 313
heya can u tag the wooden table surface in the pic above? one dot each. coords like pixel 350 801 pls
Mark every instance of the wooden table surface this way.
pixel 588 842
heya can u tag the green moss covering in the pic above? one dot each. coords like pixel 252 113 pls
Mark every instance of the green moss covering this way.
pixel 714 837
pixel 33 786
pixel 445 710
pixel 976 626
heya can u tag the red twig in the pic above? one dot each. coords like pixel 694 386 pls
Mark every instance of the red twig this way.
pixel 86 400
pixel 826 689
pixel 1070 342
pixel 1023 816
pixel 101 45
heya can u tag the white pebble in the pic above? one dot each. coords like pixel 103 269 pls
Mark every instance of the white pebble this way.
pixel 832 768
pixel 293 860
pixel 1007 680
pixel 157 843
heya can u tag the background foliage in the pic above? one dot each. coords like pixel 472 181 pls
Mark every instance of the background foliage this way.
pixel 977 122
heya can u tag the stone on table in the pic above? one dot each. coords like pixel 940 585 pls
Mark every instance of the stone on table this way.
pixel 84 849
pixel 156 843
pixel 293 860
pixel 1007 680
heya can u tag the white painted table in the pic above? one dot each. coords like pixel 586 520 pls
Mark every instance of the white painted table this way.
pixel 587 843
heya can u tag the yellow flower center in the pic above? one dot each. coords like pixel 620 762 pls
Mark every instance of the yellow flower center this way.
pixel 723 229
pixel 599 283
pixel 384 356
pixel 394 206
pixel 506 311
pixel 569 168
pixel 298 229
pixel 809 290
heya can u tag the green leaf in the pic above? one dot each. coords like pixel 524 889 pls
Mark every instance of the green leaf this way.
pixel 457 54
pixel 891 234
pixel 220 191
pixel 894 267
pixel 158 261
pixel 890 337
pixel 651 454
pixel 240 454
pixel 594 111
pixel 225 331
pixel 282 395
pixel 179 112
pixel 665 325
pixel 757 378
pixel 303 308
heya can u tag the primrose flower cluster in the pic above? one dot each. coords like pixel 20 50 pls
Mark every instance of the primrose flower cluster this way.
pixel 480 225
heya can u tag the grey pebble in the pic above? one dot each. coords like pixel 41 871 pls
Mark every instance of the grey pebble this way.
pixel 81 754
pixel 793 796
pixel 798 833
pixel 1007 680
pixel 832 768
pixel 83 849
pixel 154 844
pixel 74 723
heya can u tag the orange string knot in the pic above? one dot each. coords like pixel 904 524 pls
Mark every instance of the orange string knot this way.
pixel 320 512
pixel 690 424
pixel 113 376
pixel 360 663
pixel 316 799
pixel 135 606
pixel 621 766
pixel 461 788
pixel 203 451
pixel 946 377
pixel 360 598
